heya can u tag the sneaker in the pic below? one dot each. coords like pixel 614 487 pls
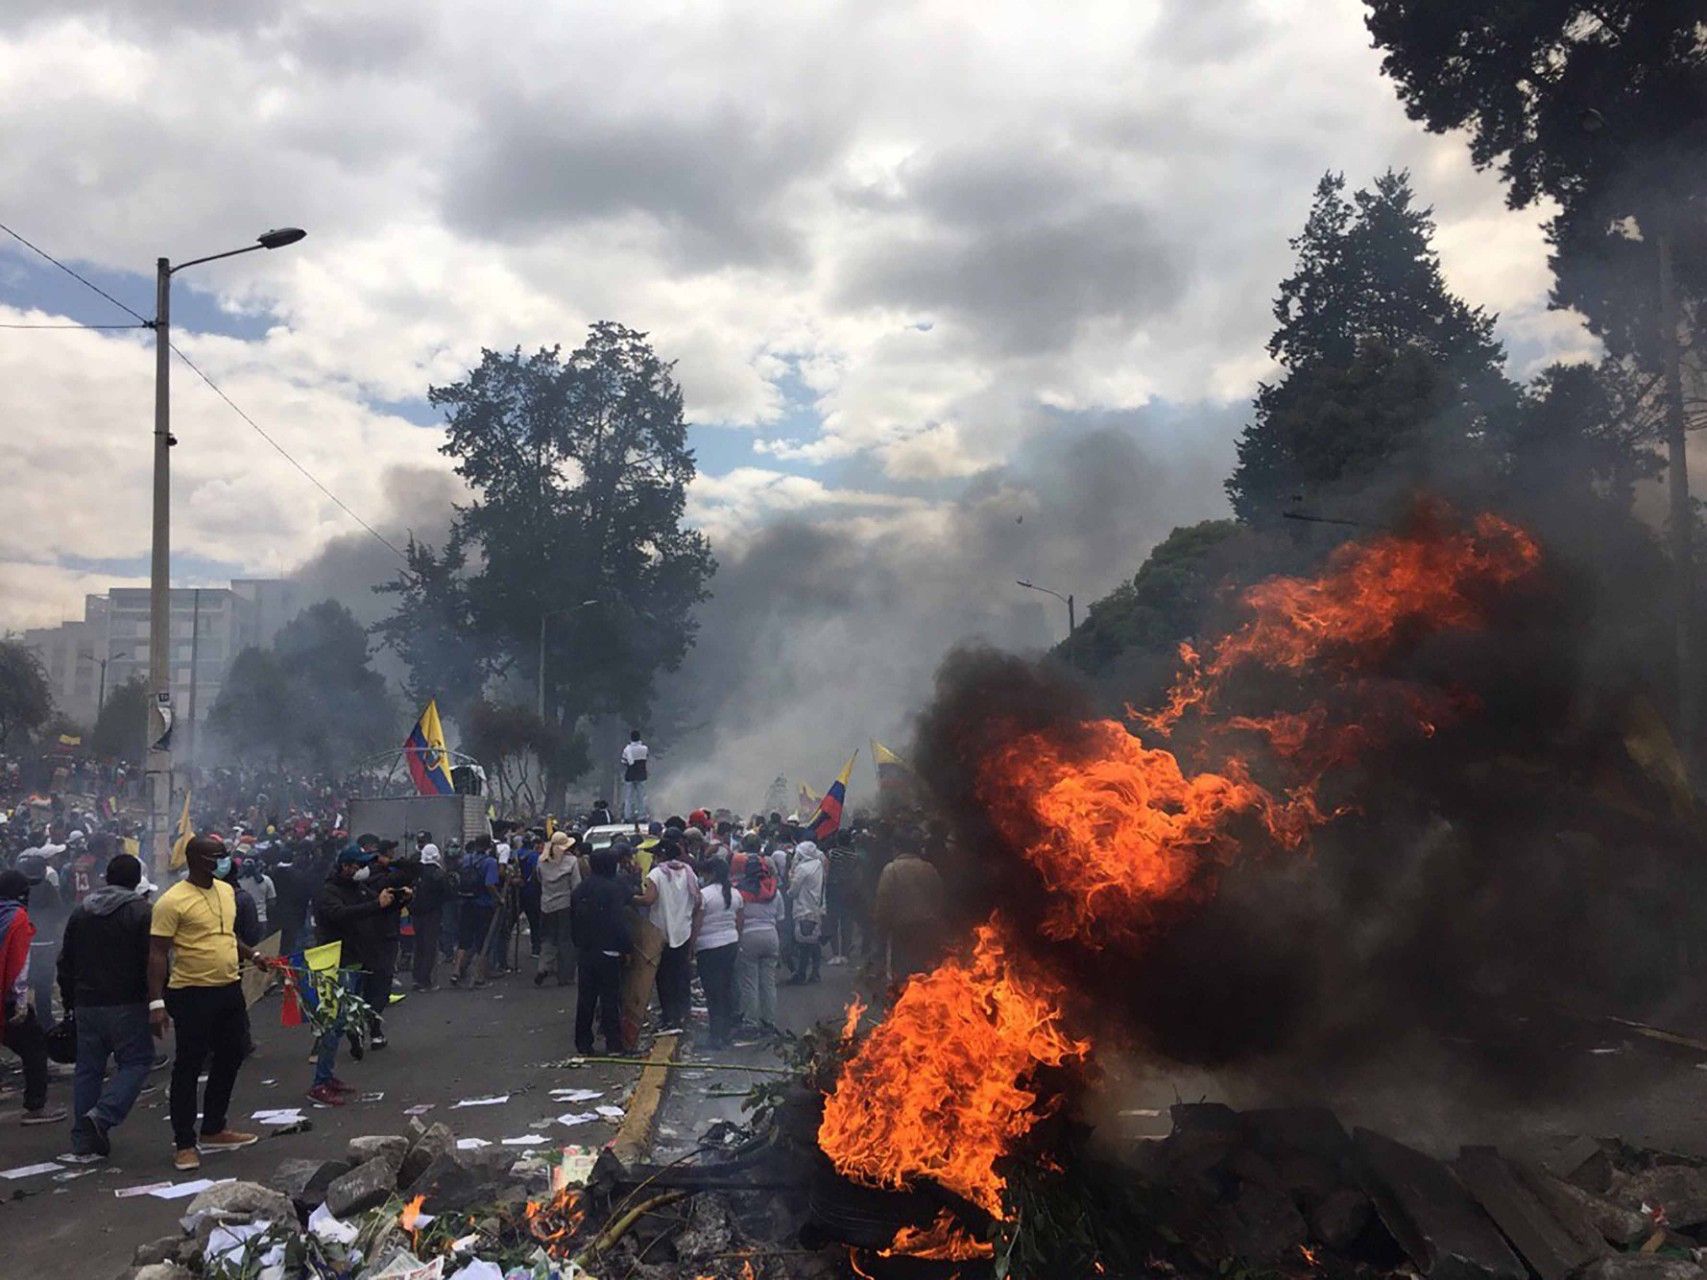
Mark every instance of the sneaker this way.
pixel 90 1134
pixel 80 1157
pixel 357 1049
pixel 228 1140
pixel 328 1094
pixel 378 1041
pixel 456 979
pixel 341 1087
pixel 539 978
pixel 186 1160
pixel 45 1115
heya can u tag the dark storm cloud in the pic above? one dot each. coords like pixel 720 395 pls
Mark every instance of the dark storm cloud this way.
pixel 712 177
pixel 1021 244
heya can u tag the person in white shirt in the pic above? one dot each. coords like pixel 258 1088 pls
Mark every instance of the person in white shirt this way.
pixel 672 893
pixel 717 943
pixel 806 896
pixel 635 757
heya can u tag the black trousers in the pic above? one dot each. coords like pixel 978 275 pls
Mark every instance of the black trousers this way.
pixel 675 984
pixel 600 995
pixel 722 1003
pixel 376 986
pixel 29 1042
pixel 211 1025
pixel 427 947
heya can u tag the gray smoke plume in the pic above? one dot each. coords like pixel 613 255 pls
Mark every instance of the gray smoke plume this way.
pixel 819 637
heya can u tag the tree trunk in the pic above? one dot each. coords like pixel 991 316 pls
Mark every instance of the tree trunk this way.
pixel 1682 516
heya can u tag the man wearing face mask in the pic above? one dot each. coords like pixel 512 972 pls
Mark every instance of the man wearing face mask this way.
pixel 193 956
pixel 348 912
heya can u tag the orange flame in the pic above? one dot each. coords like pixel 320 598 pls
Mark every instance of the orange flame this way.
pixel 1119 830
pixel 1374 595
pixel 411 1213
pixel 939 1088
pixel 945 1240
pixel 554 1222
pixel 1309 1255
pixel 856 1011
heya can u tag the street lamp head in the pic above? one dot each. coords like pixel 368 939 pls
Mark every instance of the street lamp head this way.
pixel 279 237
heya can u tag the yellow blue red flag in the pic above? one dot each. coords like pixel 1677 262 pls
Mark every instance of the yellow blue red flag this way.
pixel 428 757
pixel 828 820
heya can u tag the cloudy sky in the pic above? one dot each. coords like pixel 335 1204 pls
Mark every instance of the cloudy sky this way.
pixel 891 245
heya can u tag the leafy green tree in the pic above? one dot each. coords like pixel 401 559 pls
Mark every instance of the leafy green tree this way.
pixel 120 731
pixel 1384 370
pixel 26 700
pixel 528 760
pixel 580 469
pixel 1601 108
pixel 433 628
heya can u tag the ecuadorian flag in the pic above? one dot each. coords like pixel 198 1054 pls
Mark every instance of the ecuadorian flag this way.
pixel 828 820
pixel 429 759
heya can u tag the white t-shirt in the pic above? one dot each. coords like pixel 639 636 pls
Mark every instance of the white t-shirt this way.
pixel 717 924
pixel 672 913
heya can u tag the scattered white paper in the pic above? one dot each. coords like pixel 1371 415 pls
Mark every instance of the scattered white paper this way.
pixel 30 1170
pixel 610 1112
pixel 495 1100
pixel 420 1110
pixel 375 1095
pixel 283 1116
pixel 471 1144
pixel 147 1188
pixel 526 1140
pixel 478 1269
pixel 227 1244
pixel 322 1224
pixel 183 1190
pixel 576 1095
pixel 573 1118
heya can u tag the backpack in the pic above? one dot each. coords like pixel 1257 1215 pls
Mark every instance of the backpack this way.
pixel 471 878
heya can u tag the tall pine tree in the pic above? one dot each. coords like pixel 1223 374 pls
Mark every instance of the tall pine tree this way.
pixel 1387 376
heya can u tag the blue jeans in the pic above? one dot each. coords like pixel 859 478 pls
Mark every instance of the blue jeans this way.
pixel 121 1032
pixel 633 800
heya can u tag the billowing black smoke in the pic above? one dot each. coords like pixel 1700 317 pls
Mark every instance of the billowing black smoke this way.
pixel 1486 898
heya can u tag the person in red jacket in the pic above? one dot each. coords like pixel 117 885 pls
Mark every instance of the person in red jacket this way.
pixel 19 1030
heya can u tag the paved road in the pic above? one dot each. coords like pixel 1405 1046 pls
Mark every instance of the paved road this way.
pixel 454 1044
pixel 445 1046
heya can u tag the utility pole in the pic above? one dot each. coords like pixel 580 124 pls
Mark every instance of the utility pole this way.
pixel 158 762
pixel 157 765
pixel 1682 514
pixel 1072 620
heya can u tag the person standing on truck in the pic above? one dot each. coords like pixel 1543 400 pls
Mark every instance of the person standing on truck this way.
pixel 635 757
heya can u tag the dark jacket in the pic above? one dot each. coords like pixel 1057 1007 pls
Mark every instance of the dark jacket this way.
pixel 247 926
pixel 349 912
pixel 399 875
pixel 104 958
pixel 432 891
pixel 598 915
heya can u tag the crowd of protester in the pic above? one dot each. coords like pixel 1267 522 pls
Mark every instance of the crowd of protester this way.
pixel 97 962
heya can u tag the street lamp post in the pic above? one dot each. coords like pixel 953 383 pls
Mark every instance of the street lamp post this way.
pixel 1072 623
pixel 101 697
pixel 159 760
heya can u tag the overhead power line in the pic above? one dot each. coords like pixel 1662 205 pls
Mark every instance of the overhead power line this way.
pixel 140 319
pixel 285 454
pixel 144 323
pixel 76 326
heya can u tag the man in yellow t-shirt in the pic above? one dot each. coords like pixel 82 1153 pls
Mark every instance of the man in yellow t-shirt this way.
pixel 192 977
